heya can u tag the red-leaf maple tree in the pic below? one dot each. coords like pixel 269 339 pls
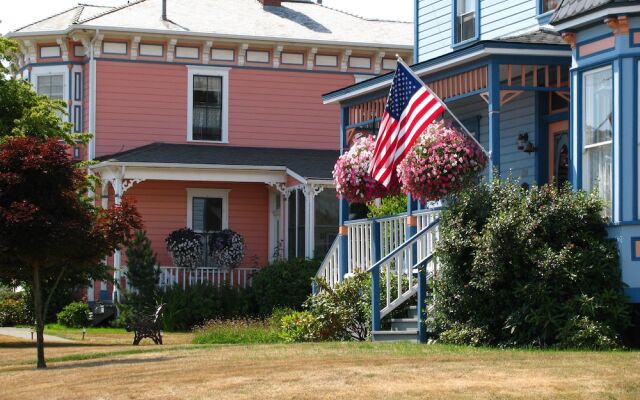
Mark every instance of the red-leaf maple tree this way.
pixel 49 226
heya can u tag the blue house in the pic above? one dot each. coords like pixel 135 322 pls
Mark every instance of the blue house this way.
pixel 549 87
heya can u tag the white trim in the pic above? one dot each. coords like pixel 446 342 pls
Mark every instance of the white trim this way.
pixel 257 56
pixel 359 62
pixel 208 71
pixel 223 54
pixel 449 64
pixel 115 48
pixel 54 70
pixel 209 194
pixel 292 58
pixel 326 60
pixel 198 174
pixel 151 50
pixel 50 52
pixel 189 52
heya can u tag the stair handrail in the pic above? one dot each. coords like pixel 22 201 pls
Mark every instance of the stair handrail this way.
pixel 331 261
pixel 403 246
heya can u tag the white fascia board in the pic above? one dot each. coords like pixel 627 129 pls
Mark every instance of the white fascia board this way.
pixel 323 182
pixel 453 63
pixel 597 16
pixel 296 176
pixel 274 39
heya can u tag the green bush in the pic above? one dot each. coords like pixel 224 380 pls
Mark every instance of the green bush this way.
pixel 13 309
pixel 300 326
pixel 190 307
pixel 528 268
pixel 284 284
pixel 236 331
pixel 75 315
pixel 391 205
pixel 142 273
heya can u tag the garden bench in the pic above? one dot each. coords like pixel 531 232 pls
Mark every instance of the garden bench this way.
pixel 147 326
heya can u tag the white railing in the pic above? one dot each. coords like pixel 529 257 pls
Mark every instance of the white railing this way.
pixel 330 267
pixel 426 246
pixel 359 248
pixel 183 277
pixel 393 232
pixel 396 273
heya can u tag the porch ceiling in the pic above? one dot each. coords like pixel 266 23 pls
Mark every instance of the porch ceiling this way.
pixel 224 163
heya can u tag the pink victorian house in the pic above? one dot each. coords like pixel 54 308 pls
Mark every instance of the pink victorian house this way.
pixel 209 115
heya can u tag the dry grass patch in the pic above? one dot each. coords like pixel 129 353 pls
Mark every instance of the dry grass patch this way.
pixel 333 370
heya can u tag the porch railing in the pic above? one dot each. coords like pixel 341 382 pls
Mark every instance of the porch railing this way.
pixel 330 267
pixel 184 277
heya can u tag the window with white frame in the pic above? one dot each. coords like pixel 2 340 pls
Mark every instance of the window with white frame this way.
pixel 208 209
pixel 51 86
pixel 465 20
pixel 208 111
pixel 597 133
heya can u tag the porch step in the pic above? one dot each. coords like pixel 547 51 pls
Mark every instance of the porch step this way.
pixel 395 336
pixel 404 324
pixel 412 312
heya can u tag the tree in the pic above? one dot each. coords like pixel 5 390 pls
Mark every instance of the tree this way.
pixel 50 229
pixel 142 273
pixel 23 112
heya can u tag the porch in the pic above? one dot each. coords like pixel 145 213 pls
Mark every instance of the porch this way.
pixel 281 201
pixel 512 95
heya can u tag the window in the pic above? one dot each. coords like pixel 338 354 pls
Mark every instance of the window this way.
pixel 548 5
pixel 597 131
pixel 208 104
pixel 51 86
pixel 465 20
pixel 207 209
pixel 207 108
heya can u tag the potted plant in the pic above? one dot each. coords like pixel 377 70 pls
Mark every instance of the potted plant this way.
pixel 351 174
pixel 185 247
pixel 226 248
pixel 442 161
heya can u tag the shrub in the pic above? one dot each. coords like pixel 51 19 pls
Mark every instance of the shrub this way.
pixel 61 297
pixel 465 335
pixel 300 326
pixel 284 284
pixel 529 268
pixel 190 307
pixel 344 312
pixel 13 309
pixel 390 205
pixel 236 331
pixel 75 315
pixel 142 273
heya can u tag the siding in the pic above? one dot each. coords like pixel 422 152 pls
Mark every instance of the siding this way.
pixel 516 117
pixel 141 103
pixel 163 206
pixel 498 18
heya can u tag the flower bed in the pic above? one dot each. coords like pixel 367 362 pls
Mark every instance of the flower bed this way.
pixel 442 161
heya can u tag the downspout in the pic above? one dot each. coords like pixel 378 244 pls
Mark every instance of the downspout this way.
pixel 92 96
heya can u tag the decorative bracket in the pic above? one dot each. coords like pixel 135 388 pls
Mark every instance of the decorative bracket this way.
pixel 242 53
pixel 135 43
pixel 345 60
pixel 311 58
pixel 129 183
pixel 570 38
pixel 378 62
pixel 63 48
pixel 206 52
pixel 282 188
pixel 276 55
pixel 171 47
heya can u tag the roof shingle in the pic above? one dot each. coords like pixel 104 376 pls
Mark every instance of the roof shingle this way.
pixel 310 164
pixel 569 9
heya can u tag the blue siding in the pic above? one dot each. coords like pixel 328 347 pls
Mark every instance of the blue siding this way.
pixel 498 18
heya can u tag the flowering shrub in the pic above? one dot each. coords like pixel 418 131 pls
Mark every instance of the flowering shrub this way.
pixel 226 247
pixel 352 178
pixel 185 248
pixel 442 161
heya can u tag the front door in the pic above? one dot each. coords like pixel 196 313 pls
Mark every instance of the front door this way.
pixel 559 152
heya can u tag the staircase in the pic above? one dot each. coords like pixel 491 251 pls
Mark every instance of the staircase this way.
pixel 400 261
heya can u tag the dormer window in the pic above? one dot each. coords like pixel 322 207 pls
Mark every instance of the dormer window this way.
pixel 465 20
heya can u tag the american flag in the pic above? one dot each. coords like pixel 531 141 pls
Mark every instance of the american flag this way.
pixel 410 108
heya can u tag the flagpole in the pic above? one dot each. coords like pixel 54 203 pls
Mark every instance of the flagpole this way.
pixel 487 153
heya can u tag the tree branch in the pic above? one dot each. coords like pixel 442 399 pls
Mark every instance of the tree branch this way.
pixel 53 288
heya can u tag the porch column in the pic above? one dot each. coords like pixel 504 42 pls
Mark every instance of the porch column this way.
pixel 284 217
pixel 494 118
pixel 343 215
pixel 117 256
pixel 310 192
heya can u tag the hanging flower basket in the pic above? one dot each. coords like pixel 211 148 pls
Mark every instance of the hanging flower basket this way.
pixel 352 178
pixel 443 161
pixel 185 248
pixel 226 248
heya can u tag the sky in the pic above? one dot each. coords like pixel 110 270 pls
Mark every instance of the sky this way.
pixel 16 14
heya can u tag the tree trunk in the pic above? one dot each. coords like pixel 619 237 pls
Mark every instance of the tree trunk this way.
pixel 39 311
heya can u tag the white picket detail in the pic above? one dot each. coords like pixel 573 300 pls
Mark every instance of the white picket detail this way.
pixel 393 232
pixel 183 277
pixel 426 246
pixel 330 267
pixel 359 245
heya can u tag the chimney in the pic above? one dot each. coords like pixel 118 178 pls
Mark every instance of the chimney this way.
pixel 164 10
pixel 274 3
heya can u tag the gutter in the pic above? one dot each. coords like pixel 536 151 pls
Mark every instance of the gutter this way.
pixel 92 96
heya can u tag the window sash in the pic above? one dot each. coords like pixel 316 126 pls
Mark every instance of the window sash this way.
pixel 549 5
pixel 207 214
pixel 207 108
pixel 51 86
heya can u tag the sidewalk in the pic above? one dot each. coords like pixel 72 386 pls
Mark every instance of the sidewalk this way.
pixel 25 333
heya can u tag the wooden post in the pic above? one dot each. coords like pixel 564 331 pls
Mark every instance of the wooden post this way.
pixel 422 304
pixel 494 117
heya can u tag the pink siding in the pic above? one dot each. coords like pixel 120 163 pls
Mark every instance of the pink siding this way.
pixel 163 206
pixel 140 103
pixel 599 45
